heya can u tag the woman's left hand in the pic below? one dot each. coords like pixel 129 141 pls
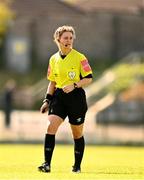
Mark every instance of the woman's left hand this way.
pixel 68 88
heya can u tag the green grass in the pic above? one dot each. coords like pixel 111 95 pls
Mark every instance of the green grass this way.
pixel 126 75
pixel 18 162
pixel 22 80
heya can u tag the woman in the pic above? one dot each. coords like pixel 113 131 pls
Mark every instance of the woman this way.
pixel 68 72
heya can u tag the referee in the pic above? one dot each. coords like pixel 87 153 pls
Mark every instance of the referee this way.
pixel 68 72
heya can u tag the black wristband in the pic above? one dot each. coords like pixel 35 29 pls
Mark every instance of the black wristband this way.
pixel 48 96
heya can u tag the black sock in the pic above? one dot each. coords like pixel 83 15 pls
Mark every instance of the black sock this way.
pixel 79 150
pixel 49 147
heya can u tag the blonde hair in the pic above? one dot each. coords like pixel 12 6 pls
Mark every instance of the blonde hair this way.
pixel 60 30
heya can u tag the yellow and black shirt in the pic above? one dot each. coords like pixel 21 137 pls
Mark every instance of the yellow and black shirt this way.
pixel 68 70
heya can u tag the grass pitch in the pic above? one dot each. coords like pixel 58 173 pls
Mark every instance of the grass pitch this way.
pixel 19 162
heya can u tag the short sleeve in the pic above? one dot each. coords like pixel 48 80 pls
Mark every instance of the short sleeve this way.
pixel 85 67
pixel 50 74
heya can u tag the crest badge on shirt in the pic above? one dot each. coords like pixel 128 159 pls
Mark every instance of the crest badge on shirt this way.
pixel 71 74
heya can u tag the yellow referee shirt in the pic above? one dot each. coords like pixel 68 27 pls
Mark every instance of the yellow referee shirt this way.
pixel 68 70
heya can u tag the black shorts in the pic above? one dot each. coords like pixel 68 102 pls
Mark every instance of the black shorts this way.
pixel 71 104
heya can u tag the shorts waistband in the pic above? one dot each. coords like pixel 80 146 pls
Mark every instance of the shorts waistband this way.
pixel 76 89
pixel 59 89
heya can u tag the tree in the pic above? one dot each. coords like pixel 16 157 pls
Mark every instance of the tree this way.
pixel 6 15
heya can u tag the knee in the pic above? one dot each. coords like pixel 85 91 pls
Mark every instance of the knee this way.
pixel 77 135
pixel 51 129
pixel 54 123
pixel 77 132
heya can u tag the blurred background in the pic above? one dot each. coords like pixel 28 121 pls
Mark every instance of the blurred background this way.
pixel 110 33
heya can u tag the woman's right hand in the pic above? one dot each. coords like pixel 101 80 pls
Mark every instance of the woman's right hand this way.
pixel 44 107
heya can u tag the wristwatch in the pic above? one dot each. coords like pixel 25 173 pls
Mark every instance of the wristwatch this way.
pixel 75 85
